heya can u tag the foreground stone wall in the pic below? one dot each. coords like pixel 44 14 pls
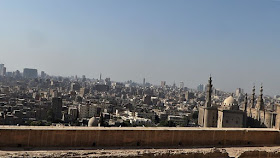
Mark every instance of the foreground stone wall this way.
pixel 134 137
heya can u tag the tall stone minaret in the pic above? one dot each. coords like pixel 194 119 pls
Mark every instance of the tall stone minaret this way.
pixel 245 103
pixel 253 98
pixel 260 106
pixel 260 103
pixel 245 111
pixel 209 92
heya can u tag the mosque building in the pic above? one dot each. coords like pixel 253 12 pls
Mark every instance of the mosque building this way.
pixel 230 114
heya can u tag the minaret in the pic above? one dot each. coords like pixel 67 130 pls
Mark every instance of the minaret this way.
pixel 260 103
pixel 253 98
pixel 209 92
pixel 260 106
pixel 245 103
pixel 245 111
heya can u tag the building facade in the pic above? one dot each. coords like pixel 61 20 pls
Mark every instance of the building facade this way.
pixel 230 114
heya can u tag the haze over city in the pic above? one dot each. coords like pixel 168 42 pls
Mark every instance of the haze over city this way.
pixel 145 78
pixel 235 41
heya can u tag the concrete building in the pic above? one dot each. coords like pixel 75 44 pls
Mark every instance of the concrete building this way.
pixel 189 95
pixel 147 99
pixel 73 112
pixel 87 111
pixel 2 70
pixel 181 86
pixel 57 108
pixel 43 74
pixel 75 86
pixel 162 83
pixel 30 73
pixel 238 92
pixel 200 88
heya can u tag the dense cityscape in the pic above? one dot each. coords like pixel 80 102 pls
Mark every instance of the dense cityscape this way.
pixel 31 99
pixel 139 79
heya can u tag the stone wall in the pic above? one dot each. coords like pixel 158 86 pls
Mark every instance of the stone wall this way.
pixel 134 137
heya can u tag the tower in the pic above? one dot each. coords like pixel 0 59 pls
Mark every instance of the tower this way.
pixel 174 85
pixel 209 92
pixel 163 83
pixel 260 103
pixel 253 98
pixel 2 69
pixel 181 85
pixel 245 111
pixel 260 107
pixel 208 114
pixel 245 103
pixel 57 108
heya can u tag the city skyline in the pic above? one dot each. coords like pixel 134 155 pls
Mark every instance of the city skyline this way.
pixel 235 41
pixel 201 87
pixel 145 78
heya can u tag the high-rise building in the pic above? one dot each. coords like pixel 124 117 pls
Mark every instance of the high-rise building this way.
pixel 238 92
pixel 181 85
pixel 9 74
pixel 75 86
pixel 43 74
pixel 73 112
pixel 189 95
pixel 144 81
pixel 2 70
pixel 84 78
pixel 17 74
pixel 147 99
pixel 57 108
pixel 163 83
pixel 200 88
pixel 87 111
pixel 108 81
pixel 174 85
pixel 30 73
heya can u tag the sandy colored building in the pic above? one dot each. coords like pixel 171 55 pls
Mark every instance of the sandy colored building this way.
pixel 230 114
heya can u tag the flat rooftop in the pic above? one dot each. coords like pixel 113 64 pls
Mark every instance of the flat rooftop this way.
pixel 129 128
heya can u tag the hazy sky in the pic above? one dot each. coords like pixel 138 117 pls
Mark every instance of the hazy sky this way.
pixel 237 41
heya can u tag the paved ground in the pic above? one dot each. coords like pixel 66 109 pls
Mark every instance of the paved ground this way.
pixel 234 152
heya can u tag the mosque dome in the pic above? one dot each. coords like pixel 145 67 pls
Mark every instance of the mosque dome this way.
pixel 92 122
pixel 230 101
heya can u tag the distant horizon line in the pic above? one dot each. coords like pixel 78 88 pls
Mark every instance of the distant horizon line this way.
pixel 70 76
